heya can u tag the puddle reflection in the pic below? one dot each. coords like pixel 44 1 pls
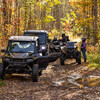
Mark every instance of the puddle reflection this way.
pixel 90 81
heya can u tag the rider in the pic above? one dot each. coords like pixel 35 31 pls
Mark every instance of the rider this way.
pixel 64 37
pixel 83 48
pixel 67 38
pixel 55 39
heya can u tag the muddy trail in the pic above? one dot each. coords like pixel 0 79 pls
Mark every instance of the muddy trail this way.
pixel 56 83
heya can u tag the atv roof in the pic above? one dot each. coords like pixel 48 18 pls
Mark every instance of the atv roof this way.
pixel 36 31
pixel 23 38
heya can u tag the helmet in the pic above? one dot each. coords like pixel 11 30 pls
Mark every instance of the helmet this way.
pixel 55 37
pixel 63 34
pixel 67 37
pixel 83 39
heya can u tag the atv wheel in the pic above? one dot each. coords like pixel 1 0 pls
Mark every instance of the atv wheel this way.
pixel 40 73
pixel 62 59
pixel 35 73
pixel 78 59
pixel 61 62
pixel 2 72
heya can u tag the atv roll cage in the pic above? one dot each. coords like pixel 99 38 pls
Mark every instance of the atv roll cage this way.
pixel 42 35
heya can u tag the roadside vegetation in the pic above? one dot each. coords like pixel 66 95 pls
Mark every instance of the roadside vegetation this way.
pixel 2 83
pixel 93 55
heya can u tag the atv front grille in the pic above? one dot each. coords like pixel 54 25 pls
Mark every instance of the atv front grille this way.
pixel 18 60
pixel 70 50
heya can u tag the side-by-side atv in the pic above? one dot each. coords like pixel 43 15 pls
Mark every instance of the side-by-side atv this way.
pixel 24 56
pixel 43 39
pixel 70 51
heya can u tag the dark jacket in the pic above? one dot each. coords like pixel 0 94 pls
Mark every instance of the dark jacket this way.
pixel 83 46
pixel 64 39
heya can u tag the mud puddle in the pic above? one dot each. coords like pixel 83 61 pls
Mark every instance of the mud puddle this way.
pixel 90 81
pixel 69 81
pixel 76 80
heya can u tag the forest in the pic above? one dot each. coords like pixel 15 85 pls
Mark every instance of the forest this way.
pixel 75 18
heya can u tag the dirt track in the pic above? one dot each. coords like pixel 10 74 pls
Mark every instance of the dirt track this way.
pixel 22 88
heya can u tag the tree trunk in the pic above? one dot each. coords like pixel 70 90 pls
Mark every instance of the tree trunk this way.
pixel 95 23
pixel 18 19
pixel 5 16
pixel 25 19
pixel 29 21
pixel 84 15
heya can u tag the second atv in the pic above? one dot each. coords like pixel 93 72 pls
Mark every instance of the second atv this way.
pixel 70 51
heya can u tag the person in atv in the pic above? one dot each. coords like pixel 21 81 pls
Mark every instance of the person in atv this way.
pixel 83 48
pixel 55 39
pixel 64 39
pixel 67 38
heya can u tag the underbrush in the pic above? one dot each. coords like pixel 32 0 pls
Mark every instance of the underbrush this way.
pixel 93 56
pixel 2 83
pixel 94 60
pixel 0 60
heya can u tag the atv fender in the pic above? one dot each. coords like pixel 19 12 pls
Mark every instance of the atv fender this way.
pixel 43 61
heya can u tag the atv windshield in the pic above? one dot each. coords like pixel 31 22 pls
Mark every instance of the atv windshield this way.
pixel 42 36
pixel 21 47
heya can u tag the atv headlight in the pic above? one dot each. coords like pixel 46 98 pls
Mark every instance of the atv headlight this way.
pixel 62 47
pixel 61 43
pixel 43 47
pixel 40 54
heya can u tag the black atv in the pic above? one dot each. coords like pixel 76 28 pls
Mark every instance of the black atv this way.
pixel 43 39
pixel 23 56
pixel 55 46
pixel 70 51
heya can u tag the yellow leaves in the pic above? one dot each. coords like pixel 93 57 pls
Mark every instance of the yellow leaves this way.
pixel 81 2
pixel 38 3
pixel 73 14
pixel 13 12
pixel 91 49
pixel 43 82
pixel 50 3
pixel 9 28
pixel 49 18
pixel 56 2
pixel 53 33
pixel 0 91
pixel 0 35
pixel 81 86
pixel 50 35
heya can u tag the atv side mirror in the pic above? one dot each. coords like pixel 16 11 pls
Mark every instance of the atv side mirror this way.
pixel 3 50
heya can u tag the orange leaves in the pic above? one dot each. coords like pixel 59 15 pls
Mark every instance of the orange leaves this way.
pixel 67 25
pixel 80 2
pixel 3 41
